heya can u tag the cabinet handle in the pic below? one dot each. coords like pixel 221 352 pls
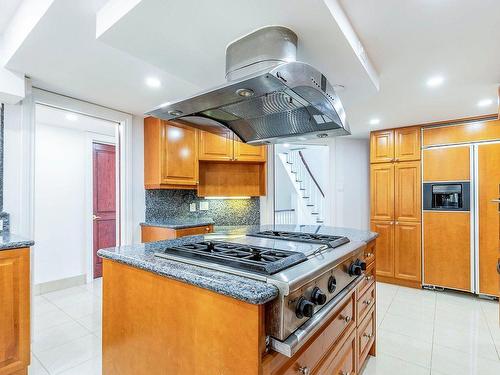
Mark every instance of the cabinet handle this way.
pixel 346 319
pixel 391 223
pixel 367 302
pixel 368 278
pixel 495 201
pixel 368 335
pixel 342 372
pixel 368 255
pixel 207 229
pixel 397 223
pixel 304 370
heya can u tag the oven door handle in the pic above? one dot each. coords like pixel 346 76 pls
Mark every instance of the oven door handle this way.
pixel 296 340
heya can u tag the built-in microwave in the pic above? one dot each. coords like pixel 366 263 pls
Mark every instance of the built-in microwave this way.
pixel 446 196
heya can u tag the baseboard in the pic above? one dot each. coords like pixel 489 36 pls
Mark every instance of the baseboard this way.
pixel 52 286
pixel 392 280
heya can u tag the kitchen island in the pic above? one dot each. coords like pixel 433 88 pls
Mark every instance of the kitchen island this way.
pixel 165 316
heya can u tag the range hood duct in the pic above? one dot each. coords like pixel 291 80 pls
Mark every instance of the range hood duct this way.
pixel 269 97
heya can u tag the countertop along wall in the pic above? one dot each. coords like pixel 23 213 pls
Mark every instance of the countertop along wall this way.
pixel 163 206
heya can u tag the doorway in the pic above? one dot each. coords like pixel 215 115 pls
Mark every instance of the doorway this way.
pixel 104 201
pixel 65 181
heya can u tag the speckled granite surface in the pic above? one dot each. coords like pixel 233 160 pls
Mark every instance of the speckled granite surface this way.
pixel 11 241
pixel 179 223
pixel 142 256
pixel 164 206
pixel 241 288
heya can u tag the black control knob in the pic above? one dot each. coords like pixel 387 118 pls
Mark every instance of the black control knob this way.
pixel 355 269
pixel 332 284
pixel 318 297
pixel 304 308
pixel 362 264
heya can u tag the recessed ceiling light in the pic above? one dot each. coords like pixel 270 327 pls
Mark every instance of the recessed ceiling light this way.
pixel 71 117
pixel 153 82
pixel 286 145
pixel 374 121
pixel 485 102
pixel 435 81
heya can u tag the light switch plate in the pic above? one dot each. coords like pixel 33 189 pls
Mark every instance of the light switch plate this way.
pixel 203 206
pixel 192 207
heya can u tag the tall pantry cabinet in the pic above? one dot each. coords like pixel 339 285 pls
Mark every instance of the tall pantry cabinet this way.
pixel 395 210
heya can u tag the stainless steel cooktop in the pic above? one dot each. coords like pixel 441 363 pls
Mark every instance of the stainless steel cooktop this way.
pixel 316 238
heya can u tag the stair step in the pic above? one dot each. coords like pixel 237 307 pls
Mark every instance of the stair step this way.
pixel 314 213
pixel 302 189
pixel 319 221
pixel 306 197
pixel 298 180
pixel 310 205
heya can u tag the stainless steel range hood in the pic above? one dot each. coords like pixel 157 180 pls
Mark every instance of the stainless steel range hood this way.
pixel 269 97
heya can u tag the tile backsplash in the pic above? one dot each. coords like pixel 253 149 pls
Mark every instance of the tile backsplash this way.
pixel 162 205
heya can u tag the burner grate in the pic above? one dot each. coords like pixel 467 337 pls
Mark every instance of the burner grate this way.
pixel 253 258
pixel 318 238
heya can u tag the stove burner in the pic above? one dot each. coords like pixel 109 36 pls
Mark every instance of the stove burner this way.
pixel 253 258
pixel 318 238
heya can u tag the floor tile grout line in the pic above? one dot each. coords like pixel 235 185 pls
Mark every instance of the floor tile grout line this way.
pixel 490 331
pixel 41 363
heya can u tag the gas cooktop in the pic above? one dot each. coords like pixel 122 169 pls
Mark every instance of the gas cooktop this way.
pixel 324 239
pixel 242 256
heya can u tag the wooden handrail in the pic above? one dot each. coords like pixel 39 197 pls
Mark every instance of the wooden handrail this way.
pixel 310 173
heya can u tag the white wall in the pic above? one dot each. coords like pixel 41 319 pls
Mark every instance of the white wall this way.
pixel 351 182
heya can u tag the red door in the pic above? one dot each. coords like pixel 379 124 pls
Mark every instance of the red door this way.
pixel 104 201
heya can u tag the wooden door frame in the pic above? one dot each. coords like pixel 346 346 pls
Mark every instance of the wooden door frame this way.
pixel 89 195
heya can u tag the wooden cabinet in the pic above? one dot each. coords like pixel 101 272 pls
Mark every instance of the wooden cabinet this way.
pixel 382 146
pixel 407 191
pixel 14 311
pixel 446 164
pixel 407 144
pixel 246 152
pixel 396 204
pixel 152 233
pixel 401 144
pixel 216 146
pixel 382 191
pixel 170 155
pixel 407 251
pixel 226 147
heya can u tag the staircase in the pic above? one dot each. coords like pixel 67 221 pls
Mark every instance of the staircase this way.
pixel 313 197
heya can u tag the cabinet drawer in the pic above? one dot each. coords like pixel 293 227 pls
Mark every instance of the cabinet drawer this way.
pixel 369 254
pixel 368 279
pixel 342 359
pixel 365 302
pixel 366 336
pixel 337 328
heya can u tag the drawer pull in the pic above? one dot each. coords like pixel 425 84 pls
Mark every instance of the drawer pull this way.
pixel 342 372
pixel 367 302
pixel 368 335
pixel 368 255
pixel 207 229
pixel 304 370
pixel 346 319
pixel 369 278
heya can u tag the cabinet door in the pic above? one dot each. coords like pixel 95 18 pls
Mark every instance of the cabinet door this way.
pixel 180 154
pixel 14 311
pixel 407 191
pixel 446 164
pixel 385 247
pixel 216 146
pixel 382 146
pixel 407 144
pixel 407 251
pixel 382 191
pixel 246 152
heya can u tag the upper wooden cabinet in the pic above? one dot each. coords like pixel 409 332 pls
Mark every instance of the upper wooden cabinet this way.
pixel 170 155
pixel 246 152
pixel 382 191
pixel 382 146
pixel 402 144
pixel 407 144
pixel 226 147
pixel 14 311
pixel 407 191
pixel 216 146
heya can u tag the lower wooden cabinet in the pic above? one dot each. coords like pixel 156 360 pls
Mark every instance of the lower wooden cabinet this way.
pixel 152 234
pixel 399 252
pixel 14 311
pixel 341 361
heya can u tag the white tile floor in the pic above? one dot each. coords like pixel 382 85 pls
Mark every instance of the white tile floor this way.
pixel 419 332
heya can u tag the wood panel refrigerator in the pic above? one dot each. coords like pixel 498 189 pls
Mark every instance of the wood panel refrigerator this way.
pixel 460 248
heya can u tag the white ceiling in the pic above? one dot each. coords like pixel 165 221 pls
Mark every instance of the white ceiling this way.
pixel 183 42
pixel 58 117
pixel 7 10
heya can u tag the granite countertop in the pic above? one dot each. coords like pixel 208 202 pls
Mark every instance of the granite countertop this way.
pixel 11 241
pixel 239 287
pixel 179 223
